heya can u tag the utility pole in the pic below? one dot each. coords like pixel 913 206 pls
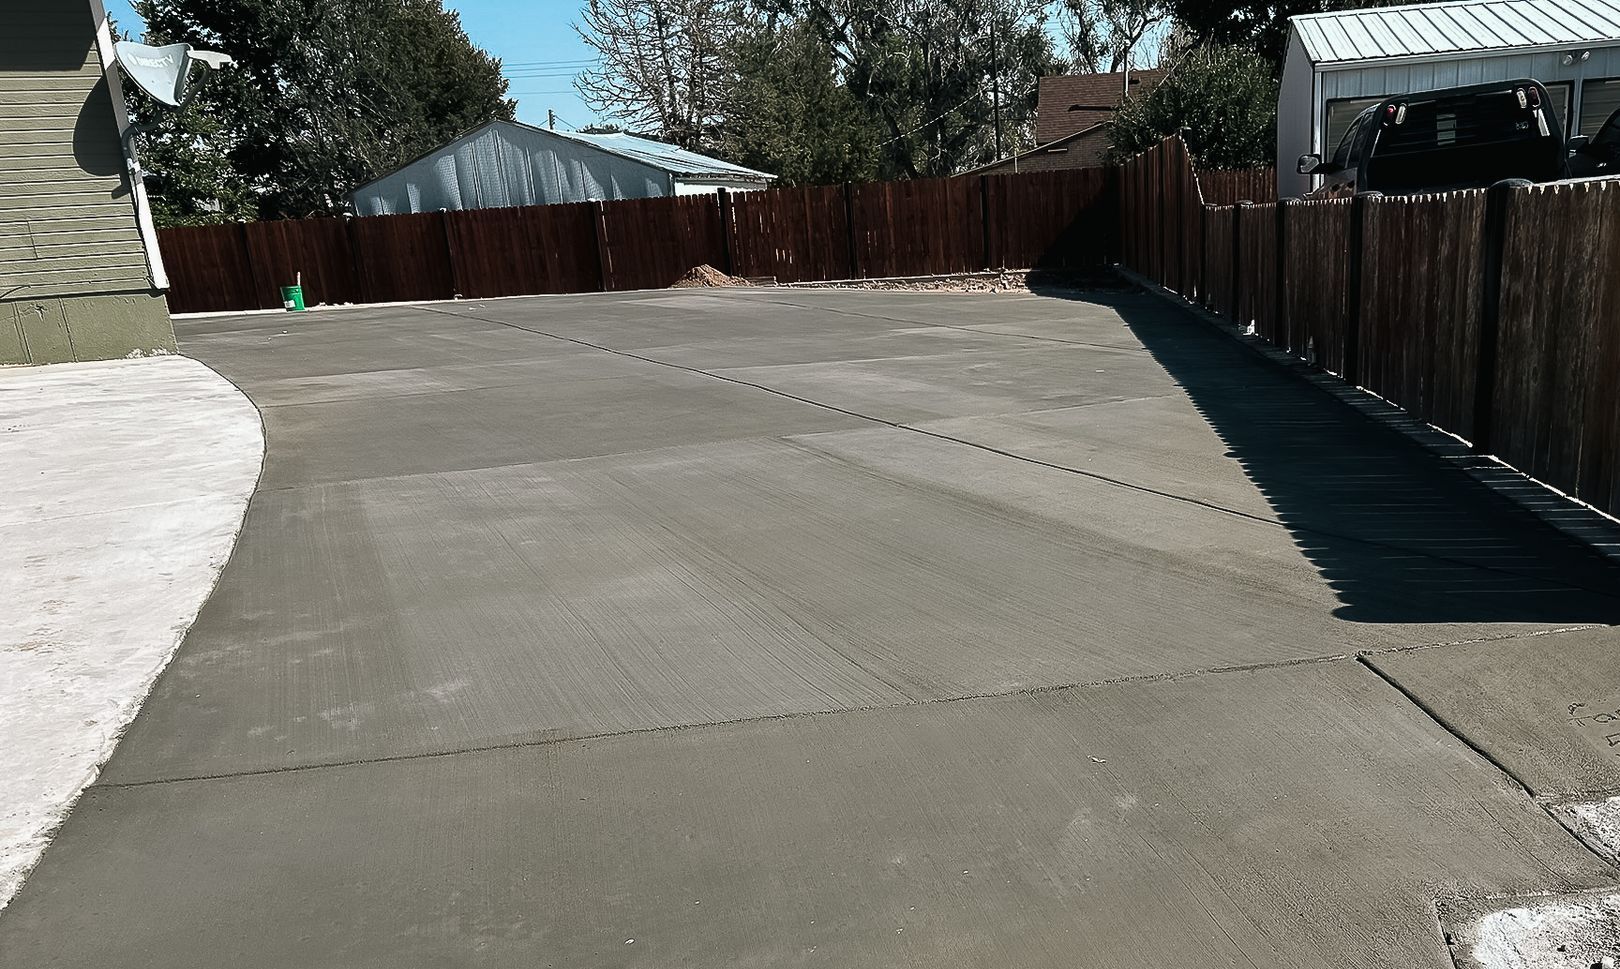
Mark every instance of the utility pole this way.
pixel 551 119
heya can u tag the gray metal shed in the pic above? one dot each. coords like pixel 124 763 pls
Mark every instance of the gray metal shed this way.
pixel 506 163
pixel 1339 63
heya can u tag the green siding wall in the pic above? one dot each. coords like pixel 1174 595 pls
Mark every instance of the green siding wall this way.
pixel 67 221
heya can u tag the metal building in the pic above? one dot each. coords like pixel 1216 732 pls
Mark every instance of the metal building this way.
pixel 1339 63
pixel 505 163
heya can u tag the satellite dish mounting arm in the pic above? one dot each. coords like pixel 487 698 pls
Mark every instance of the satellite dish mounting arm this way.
pixel 164 73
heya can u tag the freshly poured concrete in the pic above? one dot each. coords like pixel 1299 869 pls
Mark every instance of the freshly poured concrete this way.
pixel 634 629
pixel 1547 708
pixel 124 485
pixel 1276 818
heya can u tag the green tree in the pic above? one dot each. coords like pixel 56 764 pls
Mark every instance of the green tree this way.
pixel 1258 24
pixel 324 95
pixel 189 176
pixel 1222 99
pixel 943 78
pixel 790 115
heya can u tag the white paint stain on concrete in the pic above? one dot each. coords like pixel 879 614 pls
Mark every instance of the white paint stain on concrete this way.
pixel 1559 932
pixel 124 485
pixel 1597 823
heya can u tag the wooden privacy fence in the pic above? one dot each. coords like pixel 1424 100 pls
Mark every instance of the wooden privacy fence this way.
pixel 909 228
pixel 1229 186
pixel 1491 314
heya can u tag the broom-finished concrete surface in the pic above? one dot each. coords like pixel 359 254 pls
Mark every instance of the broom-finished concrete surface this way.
pixel 122 485
pixel 773 627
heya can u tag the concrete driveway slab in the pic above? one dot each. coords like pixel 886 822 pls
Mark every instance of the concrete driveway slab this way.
pixel 384 436
pixel 566 646
pixel 1127 825
pixel 1545 707
pixel 709 583
pixel 918 388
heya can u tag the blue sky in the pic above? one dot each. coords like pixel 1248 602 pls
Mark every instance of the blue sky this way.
pixel 533 39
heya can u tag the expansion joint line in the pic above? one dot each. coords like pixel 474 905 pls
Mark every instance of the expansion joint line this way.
pixel 1024 458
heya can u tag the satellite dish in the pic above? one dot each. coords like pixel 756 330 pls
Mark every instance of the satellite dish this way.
pixel 162 71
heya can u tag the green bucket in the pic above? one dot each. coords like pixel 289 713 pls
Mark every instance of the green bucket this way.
pixel 292 298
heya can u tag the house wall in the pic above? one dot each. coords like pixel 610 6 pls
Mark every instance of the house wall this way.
pixel 502 165
pixel 76 281
pixel 1302 132
pixel 1088 149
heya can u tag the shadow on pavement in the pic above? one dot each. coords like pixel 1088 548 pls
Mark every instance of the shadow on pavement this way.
pixel 1399 533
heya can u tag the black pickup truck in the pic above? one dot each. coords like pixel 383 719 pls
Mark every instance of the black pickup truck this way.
pixel 1436 141
pixel 1599 154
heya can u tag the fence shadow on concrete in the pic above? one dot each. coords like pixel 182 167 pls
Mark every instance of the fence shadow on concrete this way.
pixel 1399 533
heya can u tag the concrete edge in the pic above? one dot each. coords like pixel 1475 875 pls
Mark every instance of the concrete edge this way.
pixel 14 881
pixel 1571 516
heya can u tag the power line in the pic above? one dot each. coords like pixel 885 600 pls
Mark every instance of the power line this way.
pixel 945 114
pixel 548 64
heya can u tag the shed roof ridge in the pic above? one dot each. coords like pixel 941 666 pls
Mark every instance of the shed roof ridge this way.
pixel 1454 27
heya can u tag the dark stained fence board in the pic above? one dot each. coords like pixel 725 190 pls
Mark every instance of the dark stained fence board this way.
pixel 918 227
pixel 1316 279
pixel 1420 289
pixel 494 255
pixel 1558 353
pixel 794 234
pixel 1231 186
pixel 564 237
pixel 403 257
pixel 1053 220
pixel 1257 267
pixel 1218 259
pixel 651 243
pixel 208 269
pixel 317 250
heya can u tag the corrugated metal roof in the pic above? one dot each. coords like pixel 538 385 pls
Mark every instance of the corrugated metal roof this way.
pixel 670 158
pixel 1459 27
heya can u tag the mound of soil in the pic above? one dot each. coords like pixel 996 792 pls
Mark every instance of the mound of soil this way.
pixel 707 276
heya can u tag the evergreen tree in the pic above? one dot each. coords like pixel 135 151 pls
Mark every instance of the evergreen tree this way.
pixel 1261 25
pixel 790 116
pixel 1222 99
pixel 952 83
pixel 324 95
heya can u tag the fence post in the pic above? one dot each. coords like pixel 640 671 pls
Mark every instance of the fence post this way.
pixel 849 230
pixel 604 263
pixel 1352 316
pixel 984 218
pixel 1203 256
pixel 1235 307
pixel 247 260
pixel 450 253
pixel 1281 324
pixel 362 289
pixel 726 255
pixel 1156 193
pixel 1497 200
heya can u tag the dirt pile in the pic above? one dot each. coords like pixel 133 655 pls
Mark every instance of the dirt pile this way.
pixel 1006 281
pixel 706 276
